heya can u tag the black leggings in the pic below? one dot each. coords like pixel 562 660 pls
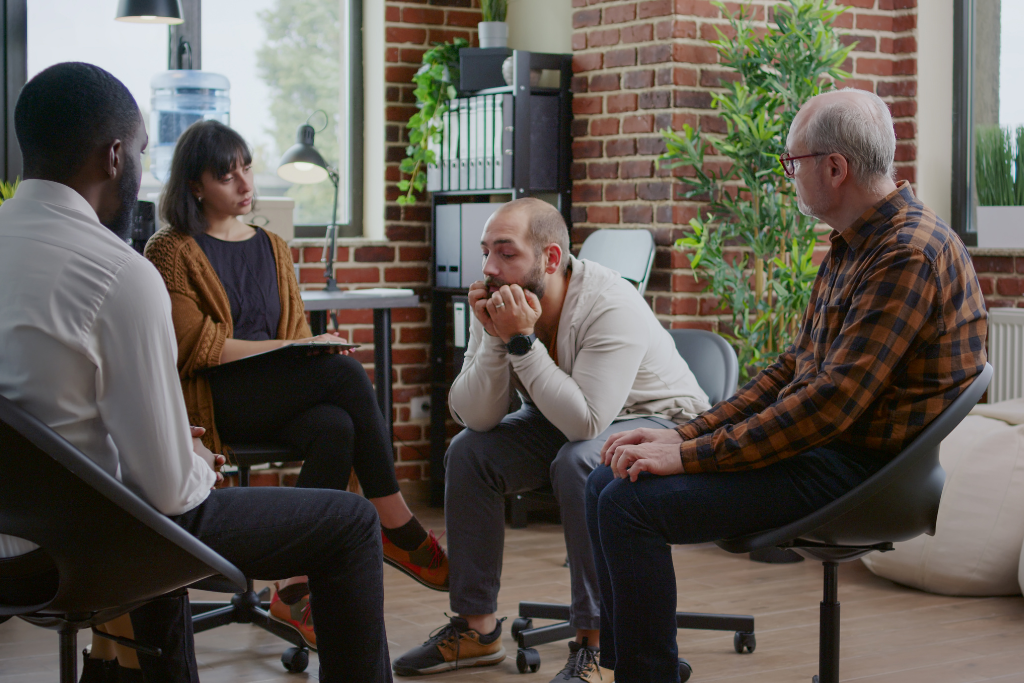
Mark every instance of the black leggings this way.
pixel 323 407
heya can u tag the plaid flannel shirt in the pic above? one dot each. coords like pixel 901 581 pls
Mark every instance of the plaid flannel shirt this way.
pixel 894 331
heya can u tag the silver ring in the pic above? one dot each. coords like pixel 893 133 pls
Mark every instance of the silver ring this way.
pixel 500 305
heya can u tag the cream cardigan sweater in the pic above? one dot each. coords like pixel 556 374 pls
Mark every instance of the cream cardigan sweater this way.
pixel 615 361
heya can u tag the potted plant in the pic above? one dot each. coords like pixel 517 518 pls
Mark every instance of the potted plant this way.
pixel 493 31
pixel 435 86
pixel 751 243
pixel 999 169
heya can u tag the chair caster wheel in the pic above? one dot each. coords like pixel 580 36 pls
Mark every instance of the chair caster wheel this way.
pixel 685 671
pixel 520 624
pixel 527 659
pixel 295 659
pixel 744 641
pixel 814 679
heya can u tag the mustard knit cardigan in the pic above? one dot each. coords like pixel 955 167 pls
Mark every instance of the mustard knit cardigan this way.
pixel 202 315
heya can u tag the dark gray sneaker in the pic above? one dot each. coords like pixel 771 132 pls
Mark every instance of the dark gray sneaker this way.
pixel 452 646
pixel 583 666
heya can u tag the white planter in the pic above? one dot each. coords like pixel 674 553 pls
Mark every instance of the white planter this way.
pixel 1000 226
pixel 493 33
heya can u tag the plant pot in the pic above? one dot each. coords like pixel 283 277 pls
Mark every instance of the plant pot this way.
pixel 493 33
pixel 1000 226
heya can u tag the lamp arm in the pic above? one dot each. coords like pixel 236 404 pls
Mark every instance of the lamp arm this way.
pixel 331 237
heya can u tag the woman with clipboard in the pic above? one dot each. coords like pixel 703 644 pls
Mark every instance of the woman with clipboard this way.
pixel 234 296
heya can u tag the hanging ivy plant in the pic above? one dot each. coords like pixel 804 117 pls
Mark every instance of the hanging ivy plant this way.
pixel 435 86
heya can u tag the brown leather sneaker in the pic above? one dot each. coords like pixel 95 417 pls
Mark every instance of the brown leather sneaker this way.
pixel 583 666
pixel 427 564
pixel 452 646
pixel 299 616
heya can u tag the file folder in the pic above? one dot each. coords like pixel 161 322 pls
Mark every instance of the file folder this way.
pixel 464 141
pixel 481 140
pixel 489 142
pixel 474 217
pixel 474 141
pixel 447 245
pixel 507 128
pixel 446 139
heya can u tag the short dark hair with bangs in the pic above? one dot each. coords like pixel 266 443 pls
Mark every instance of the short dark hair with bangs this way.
pixel 204 146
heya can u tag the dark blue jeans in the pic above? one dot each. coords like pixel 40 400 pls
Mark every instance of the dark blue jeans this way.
pixel 632 525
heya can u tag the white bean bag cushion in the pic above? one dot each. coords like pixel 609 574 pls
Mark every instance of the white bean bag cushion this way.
pixel 977 546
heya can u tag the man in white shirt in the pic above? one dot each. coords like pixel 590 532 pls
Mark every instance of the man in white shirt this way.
pixel 589 359
pixel 88 347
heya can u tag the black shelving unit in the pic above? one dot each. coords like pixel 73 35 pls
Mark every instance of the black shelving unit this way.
pixel 532 165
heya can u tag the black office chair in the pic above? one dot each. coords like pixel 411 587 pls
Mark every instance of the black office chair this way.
pixel 105 550
pixel 897 503
pixel 248 606
pixel 716 368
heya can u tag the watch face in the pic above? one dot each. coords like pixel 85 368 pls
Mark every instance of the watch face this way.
pixel 519 345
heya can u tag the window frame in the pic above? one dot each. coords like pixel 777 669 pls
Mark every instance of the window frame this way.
pixel 962 190
pixel 14 29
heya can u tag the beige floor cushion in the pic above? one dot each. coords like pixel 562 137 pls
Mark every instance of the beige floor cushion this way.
pixel 977 546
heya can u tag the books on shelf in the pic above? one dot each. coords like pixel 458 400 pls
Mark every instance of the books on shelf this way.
pixel 475 152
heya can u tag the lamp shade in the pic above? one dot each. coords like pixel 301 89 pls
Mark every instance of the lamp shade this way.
pixel 150 11
pixel 302 164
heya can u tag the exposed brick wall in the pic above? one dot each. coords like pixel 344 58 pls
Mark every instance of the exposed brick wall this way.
pixel 1001 277
pixel 645 65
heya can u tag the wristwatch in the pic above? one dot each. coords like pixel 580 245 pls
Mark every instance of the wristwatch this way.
pixel 519 344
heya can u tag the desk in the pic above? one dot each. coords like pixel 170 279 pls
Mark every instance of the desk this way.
pixel 319 302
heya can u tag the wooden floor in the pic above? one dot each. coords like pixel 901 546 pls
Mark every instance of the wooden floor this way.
pixel 889 633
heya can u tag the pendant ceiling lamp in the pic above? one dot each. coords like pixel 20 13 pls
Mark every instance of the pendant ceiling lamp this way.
pixel 150 11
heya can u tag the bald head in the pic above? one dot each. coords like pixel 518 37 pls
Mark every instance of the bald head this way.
pixel 853 123
pixel 544 224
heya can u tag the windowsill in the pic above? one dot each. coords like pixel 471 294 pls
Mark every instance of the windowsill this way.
pixel 996 251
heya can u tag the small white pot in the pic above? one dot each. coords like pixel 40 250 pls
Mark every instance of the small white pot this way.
pixel 1000 226
pixel 493 33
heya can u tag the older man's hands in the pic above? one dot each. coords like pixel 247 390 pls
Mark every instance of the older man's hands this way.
pixel 643 450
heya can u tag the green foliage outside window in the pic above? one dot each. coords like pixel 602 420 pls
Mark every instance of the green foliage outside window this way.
pixel 300 62
pixel 999 165
pixel 750 202
pixel 493 10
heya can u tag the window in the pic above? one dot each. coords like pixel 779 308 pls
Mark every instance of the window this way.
pixel 988 151
pixel 284 59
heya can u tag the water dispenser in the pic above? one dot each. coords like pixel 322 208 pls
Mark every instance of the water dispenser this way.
pixel 180 98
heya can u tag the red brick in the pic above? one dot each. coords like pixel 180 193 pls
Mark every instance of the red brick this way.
pixel 617 58
pixel 362 336
pixel 586 192
pixel 1010 286
pixel 655 99
pixel 586 149
pixel 643 123
pixel 586 18
pixel 904 45
pixel 579 41
pixel 685 305
pixel 993 264
pixel 600 170
pixel 874 67
pixel 588 62
pixel 355 317
pixel 908 173
pixel 405 233
pixel 396 74
pixel 634 80
pixel 691 99
pixel 896 4
pixel 905 130
pixel 862 43
pixel 463 19
pixel 603 214
pixel 408 432
pixel 616 14
pixel 399 34
pixel 863 4
pixel 422 15
pixel 903 108
pixel 897 89
pixel 603 82
pixel 655 54
pixel 654 192
pixel 392 13
pixel 694 54
pixel 697 8
pixel 905 22
pixel 639 168
pixel 684 29
pixel 655 8
pixel 605 127
pixel 682 215
pixel 408 315
pixel 642 33
pixel 686 283
pixel 367 254
pixel 414 335
pixel 406 274
pixel 587 105
pixel 408 472
pixel 620 148
pixel 906 152
pixel 618 192
pixel 296 255
pixel 987 285
pixel 905 67
pixel 357 274
pixel 414 375
pixel 685 77
pixel 711 305
pixel 603 38
pixel 716 79
pixel 414 254
pixel 693 325
pixel 875 22
pixel 637 213
pixel 411 55
pixel 311 275
pixel 620 103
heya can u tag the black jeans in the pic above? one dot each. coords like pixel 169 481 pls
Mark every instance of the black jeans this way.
pixel 323 406
pixel 276 533
pixel 631 525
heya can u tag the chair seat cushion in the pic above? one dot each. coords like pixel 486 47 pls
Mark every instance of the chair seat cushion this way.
pixel 976 549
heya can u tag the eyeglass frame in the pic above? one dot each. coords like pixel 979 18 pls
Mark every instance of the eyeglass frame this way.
pixel 786 157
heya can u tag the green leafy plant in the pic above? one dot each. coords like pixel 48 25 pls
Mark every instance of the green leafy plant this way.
pixel 435 86
pixel 493 10
pixel 999 165
pixel 752 244
pixel 7 189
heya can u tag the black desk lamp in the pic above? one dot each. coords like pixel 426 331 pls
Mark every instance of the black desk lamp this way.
pixel 304 165
pixel 150 11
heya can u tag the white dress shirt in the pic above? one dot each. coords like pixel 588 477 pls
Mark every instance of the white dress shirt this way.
pixel 87 346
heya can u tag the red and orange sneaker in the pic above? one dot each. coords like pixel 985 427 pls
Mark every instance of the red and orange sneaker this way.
pixel 427 564
pixel 298 616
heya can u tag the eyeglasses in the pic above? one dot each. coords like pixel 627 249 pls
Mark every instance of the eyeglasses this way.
pixel 789 168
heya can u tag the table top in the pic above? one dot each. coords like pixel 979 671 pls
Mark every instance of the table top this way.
pixel 319 300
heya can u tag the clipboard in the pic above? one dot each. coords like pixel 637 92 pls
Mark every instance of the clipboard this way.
pixel 295 350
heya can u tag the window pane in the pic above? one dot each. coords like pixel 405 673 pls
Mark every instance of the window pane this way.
pixel 62 31
pixel 283 58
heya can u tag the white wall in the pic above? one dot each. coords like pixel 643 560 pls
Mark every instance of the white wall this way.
pixel 540 25
pixel 935 105
pixel 373 119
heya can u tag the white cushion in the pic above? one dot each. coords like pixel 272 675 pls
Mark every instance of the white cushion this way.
pixel 978 541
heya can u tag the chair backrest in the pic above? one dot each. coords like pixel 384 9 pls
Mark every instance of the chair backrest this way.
pixel 711 359
pixel 630 252
pixel 897 503
pixel 109 547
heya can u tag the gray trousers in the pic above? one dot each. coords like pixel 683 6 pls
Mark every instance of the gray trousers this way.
pixel 523 453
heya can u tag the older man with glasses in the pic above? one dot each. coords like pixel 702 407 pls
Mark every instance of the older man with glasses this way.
pixel 894 332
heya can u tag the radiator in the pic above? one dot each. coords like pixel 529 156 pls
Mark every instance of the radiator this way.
pixel 1006 353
